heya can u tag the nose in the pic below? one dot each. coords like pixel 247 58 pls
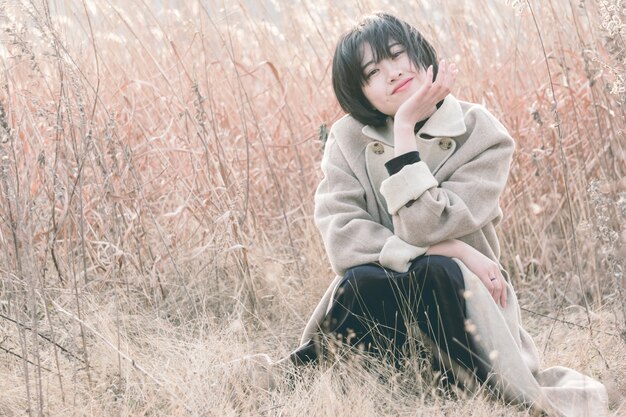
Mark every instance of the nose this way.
pixel 392 70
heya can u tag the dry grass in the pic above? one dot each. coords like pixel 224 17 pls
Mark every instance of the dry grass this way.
pixel 157 167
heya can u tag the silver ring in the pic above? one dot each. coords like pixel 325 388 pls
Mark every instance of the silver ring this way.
pixel 493 278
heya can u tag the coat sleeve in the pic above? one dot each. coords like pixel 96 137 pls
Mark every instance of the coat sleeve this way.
pixel 351 236
pixel 426 212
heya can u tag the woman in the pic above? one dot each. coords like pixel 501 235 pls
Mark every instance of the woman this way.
pixel 407 210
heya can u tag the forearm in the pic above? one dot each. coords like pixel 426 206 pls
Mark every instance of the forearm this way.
pixel 461 200
pixel 441 214
pixel 357 241
pixel 351 236
pixel 452 248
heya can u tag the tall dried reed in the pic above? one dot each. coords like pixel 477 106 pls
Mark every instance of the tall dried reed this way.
pixel 157 167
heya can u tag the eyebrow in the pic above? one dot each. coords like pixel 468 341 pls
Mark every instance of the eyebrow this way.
pixel 370 62
pixel 363 67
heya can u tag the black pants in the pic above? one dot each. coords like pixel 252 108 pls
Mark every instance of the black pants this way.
pixel 373 306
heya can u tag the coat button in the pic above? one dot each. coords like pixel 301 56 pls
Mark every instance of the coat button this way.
pixel 378 148
pixel 445 144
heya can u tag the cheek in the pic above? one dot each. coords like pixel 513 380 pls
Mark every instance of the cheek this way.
pixel 368 93
pixel 406 62
pixel 374 92
pixel 420 75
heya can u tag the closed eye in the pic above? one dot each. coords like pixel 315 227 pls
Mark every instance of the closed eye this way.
pixel 397 54
pixel 371 73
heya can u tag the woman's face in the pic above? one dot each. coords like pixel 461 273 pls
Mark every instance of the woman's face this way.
pixel 391 81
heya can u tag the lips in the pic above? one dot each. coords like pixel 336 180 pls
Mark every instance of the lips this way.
pixel 402 85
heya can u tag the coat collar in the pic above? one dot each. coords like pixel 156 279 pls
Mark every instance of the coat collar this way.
pixel 447 121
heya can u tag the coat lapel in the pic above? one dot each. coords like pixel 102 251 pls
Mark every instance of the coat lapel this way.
pixel 447 121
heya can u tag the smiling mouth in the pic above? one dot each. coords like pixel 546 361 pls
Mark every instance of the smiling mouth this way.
pixel 402 85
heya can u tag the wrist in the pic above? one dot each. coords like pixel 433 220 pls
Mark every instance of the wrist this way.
pixel 404 139
pixel 402 127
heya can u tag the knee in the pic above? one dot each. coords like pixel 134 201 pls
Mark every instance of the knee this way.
pixel 442 273
pixel 359 276
pixel 360 271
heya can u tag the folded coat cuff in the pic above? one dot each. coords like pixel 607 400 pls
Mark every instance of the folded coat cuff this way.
pixel 397 255
pixel 407 185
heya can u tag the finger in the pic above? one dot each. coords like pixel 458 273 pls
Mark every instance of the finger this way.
pixel 451 74
pixel 490 287
pixel 451 68
pixel 429 75
pixel 496 287
pixel 500 284
pixel 503 297
pixel 425 89
pixel 441 70
pixel 486 283
pixel 497 290
pixel 454 71
pixel 495 294
pixel 444 82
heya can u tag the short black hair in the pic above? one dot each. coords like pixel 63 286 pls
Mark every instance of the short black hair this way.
pixel 378 30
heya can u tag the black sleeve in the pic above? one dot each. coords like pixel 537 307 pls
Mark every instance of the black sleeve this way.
pixel 396 164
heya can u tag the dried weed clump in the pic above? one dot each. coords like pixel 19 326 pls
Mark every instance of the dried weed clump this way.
pixel 157 171
pixel 613 15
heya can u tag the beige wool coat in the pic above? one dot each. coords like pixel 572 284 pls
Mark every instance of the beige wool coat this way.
pixel 366 216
